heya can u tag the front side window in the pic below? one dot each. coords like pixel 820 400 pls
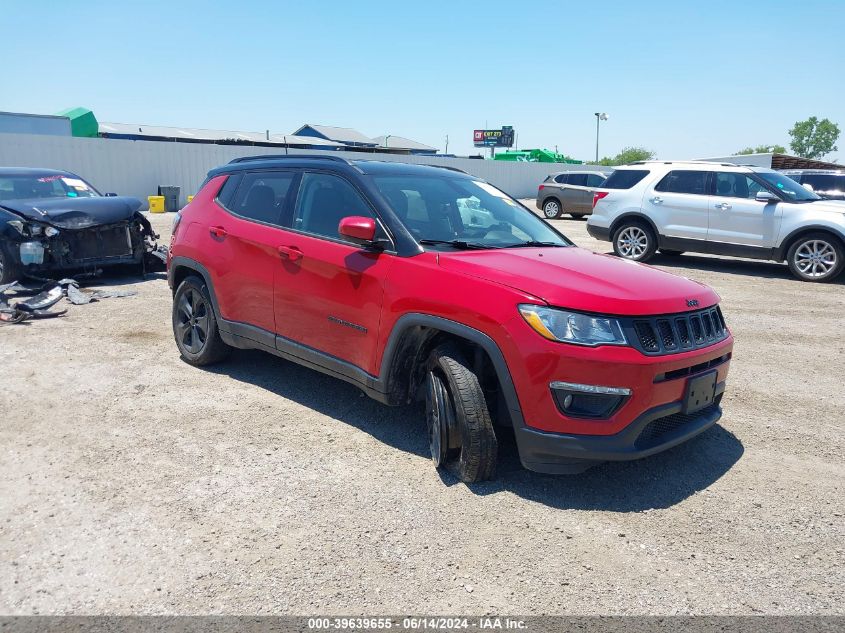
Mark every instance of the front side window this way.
pixel 261 196
pixel 323 201
pixel 442 212
pixel 735 185
pixel 46 186
pixel 684 181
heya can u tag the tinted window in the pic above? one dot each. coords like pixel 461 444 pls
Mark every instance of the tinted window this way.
pixel 733 185
pixel 261 196
pixel 578 179
pixel 788 188
pixel 825 182
pixel 323 201
pixel 594 180
pixel 228 189
pixel 624 178
pixel 561 178
pixel 684 181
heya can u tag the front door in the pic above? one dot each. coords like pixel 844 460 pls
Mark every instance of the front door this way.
pixel 329 292
pixel 736 217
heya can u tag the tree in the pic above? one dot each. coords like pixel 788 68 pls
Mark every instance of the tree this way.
pixel 762 149
pixel 628 155
pixel 813 138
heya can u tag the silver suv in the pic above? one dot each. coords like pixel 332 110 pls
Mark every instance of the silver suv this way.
pixel 721 209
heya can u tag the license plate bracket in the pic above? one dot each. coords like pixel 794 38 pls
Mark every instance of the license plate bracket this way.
pixel 700 393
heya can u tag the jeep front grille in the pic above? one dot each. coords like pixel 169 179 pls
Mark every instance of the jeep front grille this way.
pixel 675 333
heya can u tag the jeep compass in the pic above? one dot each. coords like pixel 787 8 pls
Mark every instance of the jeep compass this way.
pixel 420 283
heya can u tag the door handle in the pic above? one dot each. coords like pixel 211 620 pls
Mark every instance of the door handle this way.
pixel 724 206
pixel 290 253
pixel 657 200
pixel 218 231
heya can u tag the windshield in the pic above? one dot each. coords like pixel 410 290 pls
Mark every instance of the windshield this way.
pixel 48 186
pixel 443 213
pixel 788 188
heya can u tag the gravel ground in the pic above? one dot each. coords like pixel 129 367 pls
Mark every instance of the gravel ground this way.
pixel 131 482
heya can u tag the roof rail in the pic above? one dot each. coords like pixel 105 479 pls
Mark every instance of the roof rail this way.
pixel 246 159
pixel 450 168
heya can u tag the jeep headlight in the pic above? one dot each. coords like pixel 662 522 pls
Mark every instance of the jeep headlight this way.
pixel 573 327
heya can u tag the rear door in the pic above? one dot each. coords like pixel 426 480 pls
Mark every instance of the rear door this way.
pixel 736 217
pixel 578 198
pixel 329 291
pixel 678 204
pixel 241 253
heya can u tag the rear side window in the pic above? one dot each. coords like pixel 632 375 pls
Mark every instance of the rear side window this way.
pixel 594 180
pixel 684 181
pixel 624 178
pixel 561 178
pixel 578 179
pixel 261 196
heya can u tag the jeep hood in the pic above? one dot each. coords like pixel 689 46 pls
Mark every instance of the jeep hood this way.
pixel 75 213
pixel 579 279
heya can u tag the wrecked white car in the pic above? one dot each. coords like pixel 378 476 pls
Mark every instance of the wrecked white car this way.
pixel 53 222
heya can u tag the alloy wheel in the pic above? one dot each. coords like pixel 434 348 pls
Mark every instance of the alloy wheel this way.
pixel 815 258
pixel 551 209
pixel 632 242
pixel 192 321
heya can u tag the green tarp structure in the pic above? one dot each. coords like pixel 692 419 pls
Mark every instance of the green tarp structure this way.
pixel 82 122
pixel 535 156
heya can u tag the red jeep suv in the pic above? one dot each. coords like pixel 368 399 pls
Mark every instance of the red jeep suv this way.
pixel 425 283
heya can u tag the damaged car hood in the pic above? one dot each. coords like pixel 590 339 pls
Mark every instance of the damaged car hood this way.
pixel 75 213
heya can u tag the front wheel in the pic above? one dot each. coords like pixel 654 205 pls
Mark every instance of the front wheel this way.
pixel 634 240
pixel 9 270
pixel 816 257
pixel 552 209
pixel 460 430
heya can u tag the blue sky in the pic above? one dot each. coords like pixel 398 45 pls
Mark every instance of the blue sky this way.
pixel 684 79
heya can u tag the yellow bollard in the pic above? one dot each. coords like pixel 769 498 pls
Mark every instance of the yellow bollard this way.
pixel 189 199
pixel 156 204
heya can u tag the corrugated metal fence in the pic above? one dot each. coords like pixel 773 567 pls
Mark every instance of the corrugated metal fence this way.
pixel 137 168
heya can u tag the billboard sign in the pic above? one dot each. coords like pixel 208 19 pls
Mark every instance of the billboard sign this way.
pixel 493 138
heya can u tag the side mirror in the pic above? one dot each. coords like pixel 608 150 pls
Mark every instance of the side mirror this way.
pixel 766 196
pixel 358 229
pixel 111 195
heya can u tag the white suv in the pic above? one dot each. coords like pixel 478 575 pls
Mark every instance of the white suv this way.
pixel 722 209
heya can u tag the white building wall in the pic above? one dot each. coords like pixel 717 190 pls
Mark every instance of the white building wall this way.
pixel 137 168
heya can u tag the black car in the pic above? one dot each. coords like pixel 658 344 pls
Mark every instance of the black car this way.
pixel 53 222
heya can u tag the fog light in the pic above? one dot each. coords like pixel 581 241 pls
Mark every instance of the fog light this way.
pixel 588 401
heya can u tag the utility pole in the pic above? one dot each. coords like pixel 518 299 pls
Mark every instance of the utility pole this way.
pixel 600 116
pixel 447 144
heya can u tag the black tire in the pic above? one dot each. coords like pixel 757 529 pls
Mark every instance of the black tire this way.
pixel 461 435
pixel 9 270
pixel 577 216
pixel 817 257
pixel 634 240
pixel 670 253
pixel 552 208
pixel 195 324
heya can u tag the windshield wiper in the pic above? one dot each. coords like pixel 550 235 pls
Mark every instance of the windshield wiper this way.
pixel 460 244
pixel 534 243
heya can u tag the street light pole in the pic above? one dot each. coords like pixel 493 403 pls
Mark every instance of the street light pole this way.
pixel 600 116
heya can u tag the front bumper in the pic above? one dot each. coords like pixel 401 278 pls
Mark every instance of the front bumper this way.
pixel 656 430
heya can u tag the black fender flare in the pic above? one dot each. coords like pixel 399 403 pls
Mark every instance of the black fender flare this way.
pixel 194 266
pixel 410 320
pixel 780 251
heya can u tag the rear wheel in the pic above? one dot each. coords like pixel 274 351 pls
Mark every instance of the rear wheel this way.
pixel 195 324
pixel 816 257
pixel 9 270
pixel 634 240
pixel 670 253
pixel 552 209
pixel 460 430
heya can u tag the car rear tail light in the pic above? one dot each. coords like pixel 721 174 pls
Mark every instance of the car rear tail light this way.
pixel 598 195
pixel 541 187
